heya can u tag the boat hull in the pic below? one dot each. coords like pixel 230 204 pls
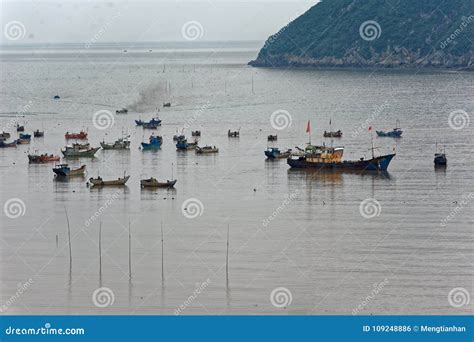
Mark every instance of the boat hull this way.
pixel 80 154
pixel 147 183
pixel 272 155
pixel 392 134
pixel 375 164
pixel 117 182
pixel 66 172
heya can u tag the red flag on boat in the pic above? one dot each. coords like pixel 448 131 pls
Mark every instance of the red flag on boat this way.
pixel 308 127
pixel 370 128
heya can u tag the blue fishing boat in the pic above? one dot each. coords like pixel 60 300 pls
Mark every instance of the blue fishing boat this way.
pixel 154 122
pixel 150 125
pixel 275 153
pixel 154 144
pixel 64 170
pixel 183 144
pixel 25 136
pixel 395 133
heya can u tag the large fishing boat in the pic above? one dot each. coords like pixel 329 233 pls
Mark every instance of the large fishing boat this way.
pixel 70 151
pixel 119 144
pixel 324 157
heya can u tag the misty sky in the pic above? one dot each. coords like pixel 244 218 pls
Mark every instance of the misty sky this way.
pixel 145 21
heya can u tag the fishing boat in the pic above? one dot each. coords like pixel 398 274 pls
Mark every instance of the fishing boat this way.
pixel 154 121
pixel 4 144
pixel 119 144
pixel 116 182
pixel 330 158
pixel 80 136
pixel 151 125
pixel 20 128
pixel 38 133
pixel 154 144
pixel 121 111
pixel 81 146
pixel 42 158
pixel 25 136
pixel 395 133
pixel 183 144
pixel 4 135
pixel 154 183
pixel 333 134
pixel 196 133
pixel 178 137
pixel 56 97
pixel 275 153
pixel 64 170
pixel 234 134
pixel 440 159
pixel 206 149
pixel 72 152
pixel 166 104
pixel 272 137
pixel 23 141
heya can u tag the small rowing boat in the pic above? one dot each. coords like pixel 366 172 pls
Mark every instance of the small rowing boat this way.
pixel 121 111
pixel 333 134
pixel 80 136
pixel 206 149
pixel 20 128
pixel 42 158
pixel 38 133
pixel 63 170
pixel 272 137
pixel 234 134
pixel 195 133
pixel 117 182
pixel 154 183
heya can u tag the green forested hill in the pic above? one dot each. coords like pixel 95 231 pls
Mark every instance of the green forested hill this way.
pixel 389 33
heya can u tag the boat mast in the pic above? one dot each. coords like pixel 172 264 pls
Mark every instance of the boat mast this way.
pixel 372 142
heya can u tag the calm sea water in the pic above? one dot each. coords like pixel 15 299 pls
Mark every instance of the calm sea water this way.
pixel 298 230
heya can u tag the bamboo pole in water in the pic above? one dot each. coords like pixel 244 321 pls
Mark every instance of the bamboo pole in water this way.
pixel 69 238
pixel 129 252
pixel 162 254
pixel 100 248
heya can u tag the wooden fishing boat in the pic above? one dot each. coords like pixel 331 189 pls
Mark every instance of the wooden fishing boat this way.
pixel 119 144
pixel 153 122
pixel 42 158
pixel 150 125
pixel 330 158
pixel 154 144
pixel 38 133
pixel 272 137
pixel 440 159
pixel 80 136
pixel 166 104
pixel 4 135
pixel 154 183
pixel 20 128
pixel 275 153
pixel 121 111
pixel 395 133
pixel 64 170
pixel 81 146
pixel 117 182
pixel 333 134
pixel 206 149
pixel 23 141
pixel 183 144
pixel 196 133
pixel 4 144
pixel 72 152
pixel 25 136
pixel 234 134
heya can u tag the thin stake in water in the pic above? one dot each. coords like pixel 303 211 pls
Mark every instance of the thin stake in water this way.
pixel 69 238
pixel 162 254
pixel 100 248
pixel 129 252
pixel 227 255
